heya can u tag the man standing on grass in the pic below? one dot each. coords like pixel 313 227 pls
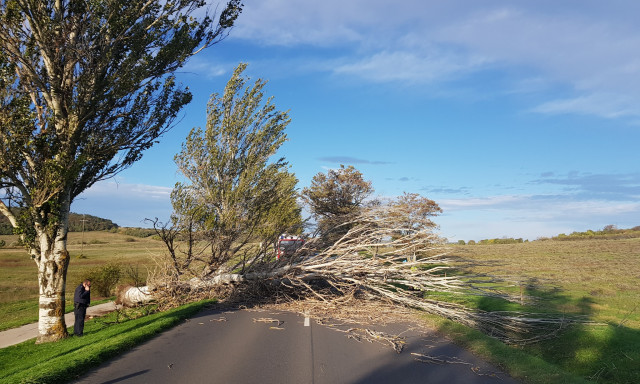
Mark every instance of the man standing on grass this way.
pixel 81 300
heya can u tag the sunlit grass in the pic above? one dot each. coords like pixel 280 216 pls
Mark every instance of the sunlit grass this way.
pixel 596 279
pixel 67 359
pixel 19 284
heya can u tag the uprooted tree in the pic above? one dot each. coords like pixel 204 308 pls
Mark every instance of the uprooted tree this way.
pixel 388 252
pixel 85 88
pixel 227 217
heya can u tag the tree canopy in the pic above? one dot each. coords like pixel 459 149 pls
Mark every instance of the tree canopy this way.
pixel 236 196
pixel 333 198
pixel 85 88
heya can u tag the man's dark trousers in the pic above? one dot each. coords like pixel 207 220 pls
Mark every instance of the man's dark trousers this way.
pixel 81 300
pixel 79 310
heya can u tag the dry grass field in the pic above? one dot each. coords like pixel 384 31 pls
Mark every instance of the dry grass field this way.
pixel 598 276
pixel 19 285
pixel 598 279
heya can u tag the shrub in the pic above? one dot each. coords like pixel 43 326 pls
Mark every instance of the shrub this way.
pixel 2 243
pixel 104 279
pixel 461 242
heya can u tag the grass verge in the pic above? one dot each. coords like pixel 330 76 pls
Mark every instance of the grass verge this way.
pixel 518 363
pixel 25 312
pixel 68 359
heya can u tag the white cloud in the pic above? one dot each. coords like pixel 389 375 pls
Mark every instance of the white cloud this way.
pixel 604 105
pixel 200 66
pixel 125 204
pixel 531 216
pixel 414 67
pixel 588 49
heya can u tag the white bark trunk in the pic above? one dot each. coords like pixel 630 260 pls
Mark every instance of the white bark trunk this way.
pixel 132 296
pixel 53 261
pixel 52 276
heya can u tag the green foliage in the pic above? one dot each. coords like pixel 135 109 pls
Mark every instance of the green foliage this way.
pixel 608 232
pixel 91 223
pixel 505 240
pixel 80 222
pixel 334 198
pixel 461 242
pixel 85 88
pixel 105 278
pixel 237 191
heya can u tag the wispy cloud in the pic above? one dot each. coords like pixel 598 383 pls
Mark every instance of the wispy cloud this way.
pixel 589 52
pixel 609 106
pixel 125 204
pixel 446 190
pixel 532 216
pixel 411 66
pixel 200 66
pixel 347 160
pixel 620 187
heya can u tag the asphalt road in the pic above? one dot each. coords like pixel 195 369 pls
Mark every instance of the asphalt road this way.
pixel 254 346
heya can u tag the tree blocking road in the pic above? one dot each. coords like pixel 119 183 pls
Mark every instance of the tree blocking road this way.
pixel 263 346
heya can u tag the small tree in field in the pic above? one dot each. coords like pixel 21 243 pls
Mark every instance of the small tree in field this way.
pixel 85 88
pixel 237 199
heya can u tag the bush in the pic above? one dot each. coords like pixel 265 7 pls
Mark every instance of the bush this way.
pixel 461 242
pixel 2 243
pixel 104 279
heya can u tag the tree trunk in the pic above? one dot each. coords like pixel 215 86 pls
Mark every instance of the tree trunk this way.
pixel 52 263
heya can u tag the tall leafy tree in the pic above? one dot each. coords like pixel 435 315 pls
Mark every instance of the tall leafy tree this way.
pixel 87 86
pixel 334 198
pixel 237 195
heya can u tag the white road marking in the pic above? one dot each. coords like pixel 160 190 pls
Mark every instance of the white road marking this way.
pixel 307 323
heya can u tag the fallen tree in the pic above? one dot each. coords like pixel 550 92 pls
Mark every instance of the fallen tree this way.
pixel 381 257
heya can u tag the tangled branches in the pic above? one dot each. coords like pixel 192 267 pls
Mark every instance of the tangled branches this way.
pixel 386 253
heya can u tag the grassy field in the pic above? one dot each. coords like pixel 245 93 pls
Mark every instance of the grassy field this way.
pixel 19 284
pixel 597 279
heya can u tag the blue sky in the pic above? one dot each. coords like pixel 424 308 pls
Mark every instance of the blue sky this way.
pixel 520 118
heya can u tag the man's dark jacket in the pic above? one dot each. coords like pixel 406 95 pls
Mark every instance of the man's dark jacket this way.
pixel 82 296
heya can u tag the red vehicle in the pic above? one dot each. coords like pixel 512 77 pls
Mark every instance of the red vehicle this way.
pixel 288 245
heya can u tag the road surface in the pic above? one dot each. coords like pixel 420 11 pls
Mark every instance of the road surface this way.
pixel 258 346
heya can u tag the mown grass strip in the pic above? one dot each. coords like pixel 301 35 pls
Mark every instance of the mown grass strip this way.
pixel 68 359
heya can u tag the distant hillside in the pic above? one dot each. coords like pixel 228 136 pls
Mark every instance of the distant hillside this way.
pixel 91 223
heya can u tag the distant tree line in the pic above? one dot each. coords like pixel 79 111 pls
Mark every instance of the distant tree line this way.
pixel 91 223
pixel 504 240
pixel 608 232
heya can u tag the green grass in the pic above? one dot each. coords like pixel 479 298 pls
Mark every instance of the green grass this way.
pixel 19 284
pixel 596 279
pixel 520 364
pixel 24 312
pixel 69 358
